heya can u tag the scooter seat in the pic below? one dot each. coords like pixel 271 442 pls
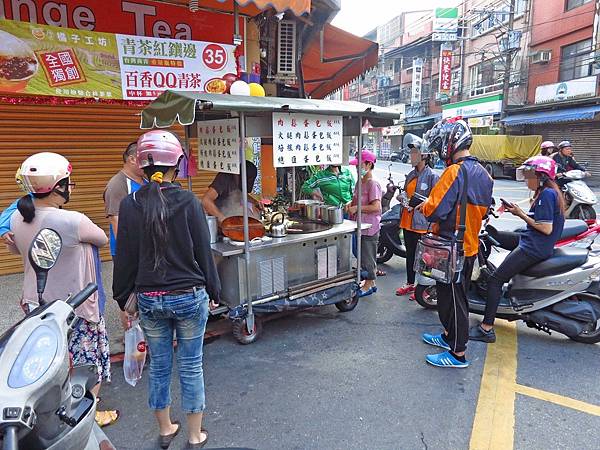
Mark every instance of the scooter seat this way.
pixel 563 260
pixel 572 228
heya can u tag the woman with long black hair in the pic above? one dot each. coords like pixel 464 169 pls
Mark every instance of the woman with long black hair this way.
pixel 164 257
pixel 545 222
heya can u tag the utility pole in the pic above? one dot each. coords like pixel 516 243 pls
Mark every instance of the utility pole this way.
pixel 508 67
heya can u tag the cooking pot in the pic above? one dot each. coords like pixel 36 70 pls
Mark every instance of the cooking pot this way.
pixel 303 204
pixel 278 228
pixel 312 211
pixel 335 215
pixel 213 228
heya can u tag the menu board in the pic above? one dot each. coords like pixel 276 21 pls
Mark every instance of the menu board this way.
pixel 306 139
pixel 219 145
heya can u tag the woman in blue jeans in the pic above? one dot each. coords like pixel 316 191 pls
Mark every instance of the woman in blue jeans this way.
pixel 164 257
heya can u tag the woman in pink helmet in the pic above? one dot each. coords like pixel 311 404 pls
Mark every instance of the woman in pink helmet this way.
pixel 548 148
pixel 545 222
pixel 165 258
pixel 45 177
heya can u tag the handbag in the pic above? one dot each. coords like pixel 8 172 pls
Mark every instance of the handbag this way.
pixel 440 258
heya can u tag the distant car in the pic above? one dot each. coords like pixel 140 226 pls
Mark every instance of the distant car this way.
pixel 400 156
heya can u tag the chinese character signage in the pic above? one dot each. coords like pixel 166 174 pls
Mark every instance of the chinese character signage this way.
pixel 47 60
pixel 219 145
pixel 417 80
pixel 445 69
pixel 307 139
pixel 150 66
pixel 445 24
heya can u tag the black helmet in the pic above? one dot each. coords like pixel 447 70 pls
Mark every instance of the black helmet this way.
pixel 448 137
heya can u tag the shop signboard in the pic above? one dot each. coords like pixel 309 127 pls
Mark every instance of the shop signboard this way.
pixel 307 139
pixel 481 106
pixel 481 122
pixel 150 66
pixel 567 90
pixel 219 145
pixel 49 60
pixel 417 79
pixel 445 24
pixel 394 130
pixel 445 69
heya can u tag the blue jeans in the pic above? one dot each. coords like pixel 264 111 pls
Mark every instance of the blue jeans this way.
pixel 187 315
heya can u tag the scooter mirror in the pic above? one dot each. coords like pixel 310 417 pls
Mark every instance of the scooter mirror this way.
pixel 43 254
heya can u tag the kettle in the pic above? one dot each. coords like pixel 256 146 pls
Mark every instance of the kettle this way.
pixel 278 228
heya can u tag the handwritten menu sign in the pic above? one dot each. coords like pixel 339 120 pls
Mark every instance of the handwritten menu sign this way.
pixel 219 146
pixel 306 139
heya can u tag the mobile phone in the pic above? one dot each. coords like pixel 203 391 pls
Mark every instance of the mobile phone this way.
pixel 507 204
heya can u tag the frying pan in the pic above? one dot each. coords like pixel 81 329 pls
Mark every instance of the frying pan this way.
pixel 233 228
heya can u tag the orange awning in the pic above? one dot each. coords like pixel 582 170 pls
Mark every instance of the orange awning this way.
pixel 253 7
pixel 344 58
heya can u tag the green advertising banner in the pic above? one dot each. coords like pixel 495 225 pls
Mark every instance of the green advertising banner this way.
pixel 47 60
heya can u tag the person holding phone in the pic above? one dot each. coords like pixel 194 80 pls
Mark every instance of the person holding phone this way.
pixel 545 222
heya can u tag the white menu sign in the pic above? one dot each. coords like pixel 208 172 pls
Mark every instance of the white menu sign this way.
pixel 219 145
pixel 307 139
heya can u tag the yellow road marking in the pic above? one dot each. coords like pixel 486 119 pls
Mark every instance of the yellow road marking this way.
pixel 558 399
pixel 494 424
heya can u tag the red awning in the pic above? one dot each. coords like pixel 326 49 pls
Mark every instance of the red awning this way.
pixel 253 7
pixel 344 58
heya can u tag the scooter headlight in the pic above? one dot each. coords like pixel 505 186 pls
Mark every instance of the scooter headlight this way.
pixel 35 357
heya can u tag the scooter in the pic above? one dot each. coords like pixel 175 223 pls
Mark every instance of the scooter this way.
pixel 578 196
pixel 559 294
pixel 46 403
pixel 390 234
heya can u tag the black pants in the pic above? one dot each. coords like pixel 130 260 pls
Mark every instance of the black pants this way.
pixel 453 308
pixel 516 262
pixel 410 242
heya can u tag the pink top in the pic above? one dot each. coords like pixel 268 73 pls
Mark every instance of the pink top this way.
pixel 75 267
pixel 371 191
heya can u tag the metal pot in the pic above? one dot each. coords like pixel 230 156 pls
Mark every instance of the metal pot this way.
pixel 303 204
pixel 323 213
pixel 312 211
pixel 278 228
pixel 335 215
pixel 213 228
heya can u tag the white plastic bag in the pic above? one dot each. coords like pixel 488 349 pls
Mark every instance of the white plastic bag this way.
pixel 135 353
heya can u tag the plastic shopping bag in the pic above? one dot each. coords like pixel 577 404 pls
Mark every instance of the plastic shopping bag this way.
pixel 135 353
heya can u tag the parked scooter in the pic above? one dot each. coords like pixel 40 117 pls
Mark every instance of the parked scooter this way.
pixel 390 234
pixel 559 294
pixel 578 196
pixel 46 403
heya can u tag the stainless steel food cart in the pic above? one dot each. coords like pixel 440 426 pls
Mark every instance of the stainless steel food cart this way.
pixel 293 272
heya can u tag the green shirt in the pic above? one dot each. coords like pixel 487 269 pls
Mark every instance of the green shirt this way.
pixel 336 189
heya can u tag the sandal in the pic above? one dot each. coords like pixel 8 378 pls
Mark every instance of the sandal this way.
pixel 199 444
pixel 165 441
pixel 369 291
pixel 108 417
pixel 380 273
pixel 405 290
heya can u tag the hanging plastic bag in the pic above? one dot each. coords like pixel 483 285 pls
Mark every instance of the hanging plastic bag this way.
pixel 135 353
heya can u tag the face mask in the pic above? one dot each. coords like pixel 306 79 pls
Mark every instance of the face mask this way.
pixel 363 172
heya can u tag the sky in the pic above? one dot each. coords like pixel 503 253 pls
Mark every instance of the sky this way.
pixel 361 16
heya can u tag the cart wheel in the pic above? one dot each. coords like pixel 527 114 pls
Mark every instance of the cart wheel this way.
pixel 348 305
pixel 240 331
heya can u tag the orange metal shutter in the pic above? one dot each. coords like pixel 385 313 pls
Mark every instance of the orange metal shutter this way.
pixel 92 137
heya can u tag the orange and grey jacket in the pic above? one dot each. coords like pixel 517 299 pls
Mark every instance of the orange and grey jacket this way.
pixel 443 205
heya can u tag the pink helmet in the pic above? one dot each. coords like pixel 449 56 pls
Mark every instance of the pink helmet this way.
pixel 538 164
pixel 40 173
pixel 547 144
pixel 158 148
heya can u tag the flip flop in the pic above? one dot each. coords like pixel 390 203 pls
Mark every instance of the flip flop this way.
pixel 369 291
pixel 199 444
pixel 380 273
pixel 165 441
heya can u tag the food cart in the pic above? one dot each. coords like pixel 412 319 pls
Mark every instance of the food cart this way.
pixel 312 267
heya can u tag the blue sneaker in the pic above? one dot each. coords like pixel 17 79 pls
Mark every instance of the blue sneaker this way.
pixel 446 359
pixel 436 340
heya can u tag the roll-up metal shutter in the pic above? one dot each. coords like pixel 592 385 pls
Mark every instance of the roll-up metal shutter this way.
pixel 585 137
pixel 92 137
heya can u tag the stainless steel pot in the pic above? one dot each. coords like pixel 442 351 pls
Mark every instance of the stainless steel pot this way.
pixel 312 211
pixel 323 213
pixel 213 228
pixel 335 215
pixel 303 205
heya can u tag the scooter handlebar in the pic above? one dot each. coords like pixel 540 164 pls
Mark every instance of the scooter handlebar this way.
pixel 77 300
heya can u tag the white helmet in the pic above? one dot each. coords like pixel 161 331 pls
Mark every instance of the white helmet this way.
pixel 40 173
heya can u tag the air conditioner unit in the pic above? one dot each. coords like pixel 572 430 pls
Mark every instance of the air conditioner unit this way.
pixel 286 48
pixel 541 57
